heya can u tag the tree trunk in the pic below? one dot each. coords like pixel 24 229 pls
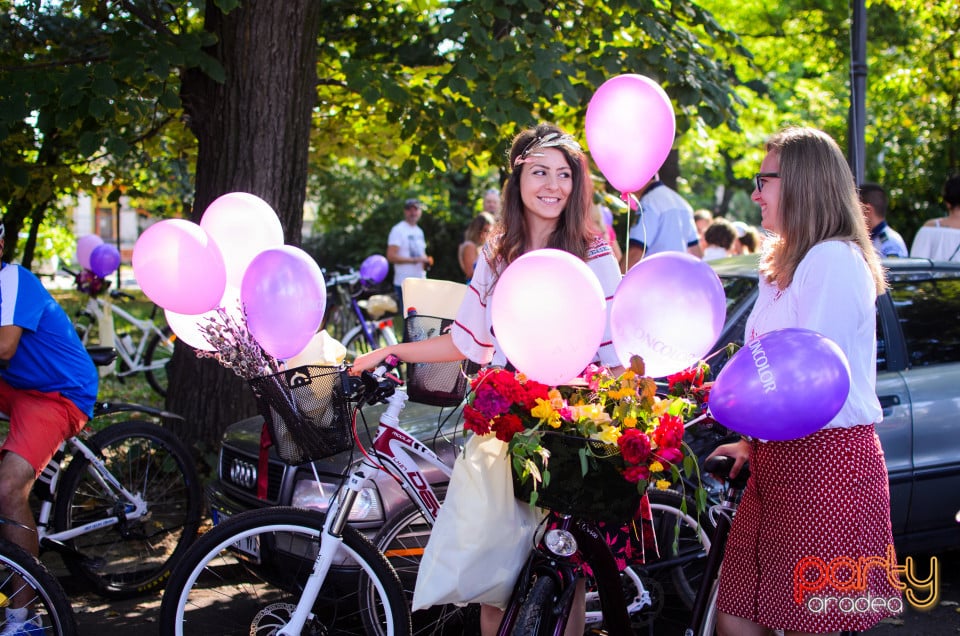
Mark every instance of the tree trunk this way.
pixel 253 134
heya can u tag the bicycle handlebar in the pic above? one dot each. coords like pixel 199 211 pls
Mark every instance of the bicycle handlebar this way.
pixel 377 385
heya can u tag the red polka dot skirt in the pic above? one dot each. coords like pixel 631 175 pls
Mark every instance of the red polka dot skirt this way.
pixel 811 548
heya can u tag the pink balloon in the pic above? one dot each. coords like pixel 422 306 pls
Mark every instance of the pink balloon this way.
pixel 630 129
pixel 284 297
pixel 85 246
pixel 549 313
pixel 243 225
pixel 179 267
pixel 669 309
pixel 188 328
pixel 783 385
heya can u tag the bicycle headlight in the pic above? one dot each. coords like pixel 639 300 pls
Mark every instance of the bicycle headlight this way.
pixel 560 542
pixel 315 495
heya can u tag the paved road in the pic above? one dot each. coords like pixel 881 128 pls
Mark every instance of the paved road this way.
pixel 138 617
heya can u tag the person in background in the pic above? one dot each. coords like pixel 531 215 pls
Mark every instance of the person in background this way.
pixel 939 239
pixel 702 218
pixel 48 385
pixel 548 201
pixel 885 239
pixel 491 202
pixel 473 239
pixel 825 496
pixel 750 241
pixel 719 235
pixel 407 248
pixel 665 223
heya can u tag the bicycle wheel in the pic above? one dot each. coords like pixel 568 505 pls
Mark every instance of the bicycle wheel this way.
pixel 534 617
pixel 131 557
pixel 402 539
pixel 159 351
pixel 683 541
pixel 357 343
pixel 247 574
pixel 24 581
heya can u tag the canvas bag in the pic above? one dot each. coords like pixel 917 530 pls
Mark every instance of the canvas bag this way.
pixel 482 535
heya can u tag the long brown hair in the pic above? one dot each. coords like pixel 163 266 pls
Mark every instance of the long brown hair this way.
pixel 818 202
pixel 575 229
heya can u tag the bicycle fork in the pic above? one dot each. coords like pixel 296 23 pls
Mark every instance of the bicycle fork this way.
pixel 331 539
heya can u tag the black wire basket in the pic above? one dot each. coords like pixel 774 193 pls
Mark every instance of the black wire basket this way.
pixel 434 383
pixel 602 494
pixel 306 411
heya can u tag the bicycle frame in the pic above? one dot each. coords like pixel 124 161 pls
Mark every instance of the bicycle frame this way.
pixel 342 284
pixel 134 507
pixel 133 359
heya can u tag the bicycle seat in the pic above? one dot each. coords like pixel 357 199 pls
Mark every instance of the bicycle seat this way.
pixel 720 466
pixel 102 356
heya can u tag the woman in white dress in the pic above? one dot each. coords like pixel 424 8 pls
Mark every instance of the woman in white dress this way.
pixel 939 239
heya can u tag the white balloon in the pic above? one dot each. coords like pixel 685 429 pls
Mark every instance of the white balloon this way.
pixel 242 225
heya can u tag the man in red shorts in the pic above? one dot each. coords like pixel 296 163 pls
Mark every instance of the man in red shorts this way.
pixel 48 385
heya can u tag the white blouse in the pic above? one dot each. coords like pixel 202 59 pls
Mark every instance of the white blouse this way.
pixel 473 329
pixel 832 293
pixel 936 243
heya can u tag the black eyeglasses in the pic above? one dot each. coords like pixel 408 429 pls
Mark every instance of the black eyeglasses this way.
pixel 763 175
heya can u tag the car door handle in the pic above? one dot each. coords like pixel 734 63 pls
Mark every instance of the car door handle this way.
pixel 889 401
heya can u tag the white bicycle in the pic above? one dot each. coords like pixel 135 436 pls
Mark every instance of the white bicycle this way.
pixel 142 345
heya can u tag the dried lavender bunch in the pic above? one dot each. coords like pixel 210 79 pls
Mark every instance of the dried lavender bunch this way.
pixel 235 348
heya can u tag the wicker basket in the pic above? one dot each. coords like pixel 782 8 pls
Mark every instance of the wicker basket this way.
pixel 306 412
pixel 600 495
pixel 434 383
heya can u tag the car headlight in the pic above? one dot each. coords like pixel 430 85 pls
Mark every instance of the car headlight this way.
pixel 315 495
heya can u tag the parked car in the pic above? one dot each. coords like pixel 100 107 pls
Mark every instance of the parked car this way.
pixel 918 383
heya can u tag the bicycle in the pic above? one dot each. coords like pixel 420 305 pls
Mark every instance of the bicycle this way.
pixel 142 345
pixel 123 503
pixel 348 319
pixel 25 579
pixel 264 570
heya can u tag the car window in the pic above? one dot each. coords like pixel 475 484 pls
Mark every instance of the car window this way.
pixel 736 288
pixel 927 311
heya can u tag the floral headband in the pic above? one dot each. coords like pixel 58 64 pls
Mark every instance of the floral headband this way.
pixel 551 140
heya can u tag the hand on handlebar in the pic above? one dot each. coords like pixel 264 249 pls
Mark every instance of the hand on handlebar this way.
pixel 739 451
pixel 369 361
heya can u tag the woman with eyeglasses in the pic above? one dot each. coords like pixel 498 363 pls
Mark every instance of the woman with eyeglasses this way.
pixel 811 547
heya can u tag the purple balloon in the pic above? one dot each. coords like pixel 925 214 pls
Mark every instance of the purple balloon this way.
pixel 284 297
pixel 374 269
pixel 783 385
pixel 104 260
pixel 85 246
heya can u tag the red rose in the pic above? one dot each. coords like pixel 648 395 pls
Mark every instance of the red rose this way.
pixel 634 446
pixel 669 434
pixel 670 455
pixel 474 420
pixel 635 474
pixel 506 426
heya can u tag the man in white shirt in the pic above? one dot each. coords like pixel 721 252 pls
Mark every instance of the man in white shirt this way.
pixel 665 223
pixel 407 248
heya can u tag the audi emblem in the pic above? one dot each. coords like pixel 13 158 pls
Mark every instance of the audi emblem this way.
pixel 243 474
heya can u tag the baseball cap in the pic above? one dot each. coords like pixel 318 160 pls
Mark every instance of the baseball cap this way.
pixel 409 203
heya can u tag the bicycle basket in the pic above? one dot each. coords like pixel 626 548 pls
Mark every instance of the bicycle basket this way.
pixel 306 412
pixel 600 495
pixel 434 383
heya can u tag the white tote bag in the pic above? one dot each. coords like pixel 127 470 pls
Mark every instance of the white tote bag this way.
pixel 482 535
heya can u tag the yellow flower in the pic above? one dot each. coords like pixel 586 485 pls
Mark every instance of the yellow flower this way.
pixel 656 467
pixel 592 412
pixel 545 412
pixel 660 407
pixel 630 422
pixel 663 484
pixel 607 435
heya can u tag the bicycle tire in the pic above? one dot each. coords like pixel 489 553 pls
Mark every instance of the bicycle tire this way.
pixel 217 589
pixel 83 324
pixel 402 540
pixel 533 617
pixel 47 599
pixel 689 547
pixel 159 350
pixel 126 560
pixel 708 625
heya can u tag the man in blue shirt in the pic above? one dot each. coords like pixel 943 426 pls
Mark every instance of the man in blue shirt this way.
pixel 886 240
pixel 48 385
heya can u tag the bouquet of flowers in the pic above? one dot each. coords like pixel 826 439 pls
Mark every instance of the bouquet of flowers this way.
pixel 608 437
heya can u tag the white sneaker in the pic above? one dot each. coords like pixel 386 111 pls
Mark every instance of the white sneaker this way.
pixel 32 626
